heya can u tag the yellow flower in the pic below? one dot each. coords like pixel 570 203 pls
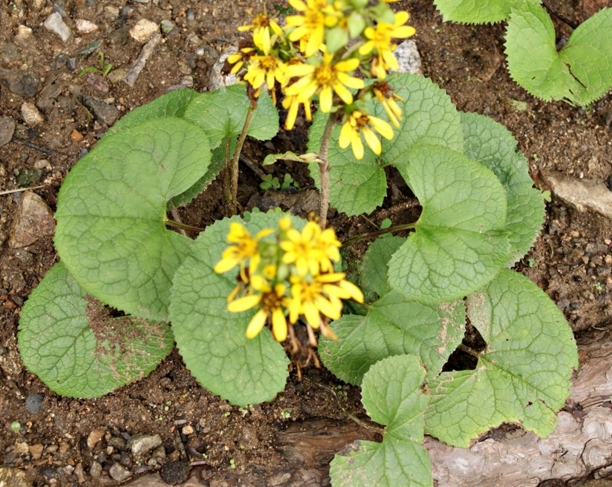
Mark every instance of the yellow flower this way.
pixel 272 303
pixel 261 31
pixel 245 247
pixel 292 104
pixel 380 39
pixel 324 79
pixel 318 15
pixel 384 94
pixel 239 58
pixel 321 296
pixel 266 69
pixel 310 250
pixel 361 123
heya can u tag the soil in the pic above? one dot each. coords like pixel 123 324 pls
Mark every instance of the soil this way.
pixel 228 445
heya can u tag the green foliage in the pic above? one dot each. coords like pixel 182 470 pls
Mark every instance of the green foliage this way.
pixel 392 396
pixel 73 344
pixel 212 340
pixel 580 73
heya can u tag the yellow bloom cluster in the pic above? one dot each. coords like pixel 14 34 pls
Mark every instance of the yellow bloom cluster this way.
pixel 287 278
pixel 318 52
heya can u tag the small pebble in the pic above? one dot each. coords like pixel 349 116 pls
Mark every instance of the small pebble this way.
pixel 36 451
pixel 31 115
pixel 7 129
pixel 119 472
pixel 167 26
pixel 140 444
pixel 55 24
pixel 143 30
pixel 94 437
pixel 174 472
pixel 24 35
pixel 96 470
pixel 33 403
pixel 85 26
pixel 187 430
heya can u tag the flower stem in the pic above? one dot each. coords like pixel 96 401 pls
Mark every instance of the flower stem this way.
pixel 324 169
pixel 233 167
pixel 363 236
pixel 183 226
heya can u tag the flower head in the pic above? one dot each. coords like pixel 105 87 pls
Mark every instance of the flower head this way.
pixel 385 95
pixel 244 247
pixel 261 26
pixel 360 123
pixel 311 250
pixel 324 79
pixel 317 15
pixel 268 69
pixel 380 40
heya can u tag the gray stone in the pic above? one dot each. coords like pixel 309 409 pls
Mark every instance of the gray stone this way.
pixel 96 470
pixel 119 473
pixel 7 129
pixel 19 83
pixel 33 220
pixel 85 26
pixel 33 403
pixel 55 24
pixel 24 35
pixel 167 26
pixel 582 194
pixel 31 116
pixel 13 477
pixel 216 78
pixel 145 54
pixel 102 111
pixel 140 444
pixel 408 58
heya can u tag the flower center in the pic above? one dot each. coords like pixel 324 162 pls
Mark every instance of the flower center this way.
pixel 324 74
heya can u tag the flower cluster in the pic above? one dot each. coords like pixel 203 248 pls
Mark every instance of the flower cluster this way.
pixel 318 53
pixel 287 279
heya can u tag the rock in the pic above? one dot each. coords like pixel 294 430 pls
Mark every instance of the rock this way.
pixel 117 75
pixel 140 444
pixel 102 111
pixel 33 403
pixel 52 89
pixel 55 24
pixel 36 451
pixel 408 58
pixel 85 26
pixel 95 470
pixel 19 83
pixel 7 129
pixel 216 79
pixel 187 430
pixel 94 437
pixel 175 472
pixel 248 438
pixel 76 136
pixel 137 67
pixel 24 35
pixel 13 477
pixel 9 52
pixel 582 194
pixel 143 31
pixel 31 115
pixel 33 219
pixel 167 26
pixel 119 472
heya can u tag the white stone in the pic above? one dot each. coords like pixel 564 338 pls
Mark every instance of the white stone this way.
pixel 24 34
pixel 85 26
pixel 143 30
pixel 216 79
pixel 408 58
pixel 55 24
pixel 31 115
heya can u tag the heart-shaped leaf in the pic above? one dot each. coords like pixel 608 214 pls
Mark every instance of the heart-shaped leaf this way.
pixel 70 341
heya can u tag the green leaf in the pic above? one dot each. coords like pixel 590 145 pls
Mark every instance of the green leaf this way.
pixel 459 244
pixel 522 376
pixel 392 395
pixel 211 339
pixel 69 340
pixel 477 11
pixel 394 325
pixel 374 267
pixel 111 213
pixel 491 144
pixel 172 104
pixel 358 187
pixel 222 114
pixel 336 38
pixel 580 73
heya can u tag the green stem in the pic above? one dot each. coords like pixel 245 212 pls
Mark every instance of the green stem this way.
pixel 234 162
pixel 324 169
pixel 363 236
pixel 183 226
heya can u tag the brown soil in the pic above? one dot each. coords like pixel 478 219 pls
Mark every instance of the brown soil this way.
pixel 568 260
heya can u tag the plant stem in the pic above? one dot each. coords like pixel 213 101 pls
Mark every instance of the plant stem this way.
pixel 324 169
pixel 234 162
pixel 183 226
pixel 363 236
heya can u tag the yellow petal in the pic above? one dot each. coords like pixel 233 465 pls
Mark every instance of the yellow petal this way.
pixel 225 265
pixel 298 5
pixel 256 324
pixel 344 94
pixel 327 309
pixel 372 140
pixel 279 325
pixel 312 315
pixel 350 81
pixel 326 99
pixel 244 303
pixel 382 127
pixel 347 65
pixel 357 147
pixel 353 290
pixel 346 135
